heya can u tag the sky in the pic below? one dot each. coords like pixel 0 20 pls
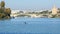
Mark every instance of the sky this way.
pixel 31 4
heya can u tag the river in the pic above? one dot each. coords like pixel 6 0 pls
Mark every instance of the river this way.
pixel 30 26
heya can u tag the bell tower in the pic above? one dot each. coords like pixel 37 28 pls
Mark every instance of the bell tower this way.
pixel 54 9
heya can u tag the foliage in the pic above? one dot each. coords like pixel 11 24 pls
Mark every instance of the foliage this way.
pixel 45 12
pixel 4 12
pixel 2 3
pixel 54 16
pixel 2 15
pixel 7 11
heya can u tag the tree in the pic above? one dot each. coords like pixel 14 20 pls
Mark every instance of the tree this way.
pixel 45 12
pixel 4 12
pixel 2 15
pixel 7 11
pixel 2 3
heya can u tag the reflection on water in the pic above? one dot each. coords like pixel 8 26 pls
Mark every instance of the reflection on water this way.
pixel 30 25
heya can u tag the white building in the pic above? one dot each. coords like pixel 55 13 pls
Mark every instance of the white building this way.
pixel 14 11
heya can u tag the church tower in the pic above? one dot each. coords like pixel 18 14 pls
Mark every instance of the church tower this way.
pixel 54 9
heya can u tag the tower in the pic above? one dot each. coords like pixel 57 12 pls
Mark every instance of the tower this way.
pixel 54 9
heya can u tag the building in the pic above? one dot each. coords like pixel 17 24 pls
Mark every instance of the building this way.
pixel 54 10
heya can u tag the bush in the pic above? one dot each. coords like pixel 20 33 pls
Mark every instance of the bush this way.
pixel 54 16
pixel 4 12
pixel 2 15
pixel 7 11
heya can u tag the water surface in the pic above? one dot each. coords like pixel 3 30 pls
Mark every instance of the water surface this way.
pixel 31 25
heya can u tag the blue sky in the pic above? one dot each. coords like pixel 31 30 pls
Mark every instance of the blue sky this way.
pixel 32 4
